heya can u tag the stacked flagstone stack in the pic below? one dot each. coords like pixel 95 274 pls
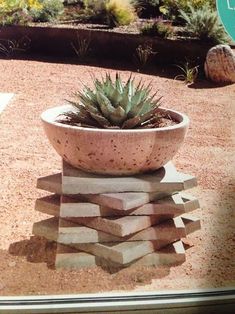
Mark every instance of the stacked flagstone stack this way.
pixel 117 221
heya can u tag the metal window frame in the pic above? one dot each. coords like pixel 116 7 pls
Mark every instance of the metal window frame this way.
pixel 177 301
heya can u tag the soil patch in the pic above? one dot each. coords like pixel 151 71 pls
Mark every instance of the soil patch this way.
pixel 157 121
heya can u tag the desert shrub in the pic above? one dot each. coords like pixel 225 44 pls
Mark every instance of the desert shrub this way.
pixel 19 17
pixel 111 12
pixel 49 11
pixel 147 8
pixel 157 28
pixel 171 8
pixel 17 11
pixel 24 11
pixel 119 12
pixel 203 24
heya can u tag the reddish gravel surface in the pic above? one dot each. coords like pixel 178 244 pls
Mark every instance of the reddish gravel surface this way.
pixel 208 153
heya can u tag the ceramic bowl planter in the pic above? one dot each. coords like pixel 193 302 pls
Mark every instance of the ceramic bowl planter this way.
pixel 112 151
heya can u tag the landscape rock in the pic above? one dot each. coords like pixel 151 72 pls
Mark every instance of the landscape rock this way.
pixel 220 64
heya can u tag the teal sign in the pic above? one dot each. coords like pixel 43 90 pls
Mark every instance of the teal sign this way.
pixel 226 9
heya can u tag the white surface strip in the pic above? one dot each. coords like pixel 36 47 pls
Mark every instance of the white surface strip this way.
pixel 4 100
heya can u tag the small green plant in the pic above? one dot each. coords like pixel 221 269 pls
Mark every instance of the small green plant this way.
pixel 189 73
pixel 157 28
pixel 81 47
pixel 4 48
pixel 203 24
pixel 171 8
pixel 9 48
pixel 143 55
pixel 113 104
pixel 50 11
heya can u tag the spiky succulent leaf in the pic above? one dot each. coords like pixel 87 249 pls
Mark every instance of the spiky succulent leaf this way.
pixel 125 101
pixel 142 108
pixel 118 116
pixel 89 94
pixel 102 121
pixel 137 98
pixel 131 92
pixel 118 84
pixel 115 97
pixel 104 104
pixel 131 123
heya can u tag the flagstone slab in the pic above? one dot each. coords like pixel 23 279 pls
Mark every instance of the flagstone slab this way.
pixel 51 183
pixel 68 257
pixel 69 232
pixel 128 225
pixel 47 228
pixel 124 200
pixel 124 252
pixel 75 181
pixel 120 226
pixel 191 223
pixel 66 206
pixel 120 252
pixel 49 205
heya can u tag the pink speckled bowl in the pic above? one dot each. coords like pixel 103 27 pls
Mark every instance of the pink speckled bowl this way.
pixel 116 152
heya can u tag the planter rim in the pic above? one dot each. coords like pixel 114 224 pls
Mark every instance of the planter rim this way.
pixel 50 114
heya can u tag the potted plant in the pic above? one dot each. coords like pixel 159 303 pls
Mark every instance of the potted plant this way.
pixel 116 129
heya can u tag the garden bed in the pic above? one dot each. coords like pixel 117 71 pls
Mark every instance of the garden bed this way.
pixel 104 44
pixel 27 155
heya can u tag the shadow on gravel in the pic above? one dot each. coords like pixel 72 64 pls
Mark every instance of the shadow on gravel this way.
pixel 204 84
pixel 167 71
pixel 36 250
pixel 39 250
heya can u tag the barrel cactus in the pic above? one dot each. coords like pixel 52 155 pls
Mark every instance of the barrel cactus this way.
pixel 113 104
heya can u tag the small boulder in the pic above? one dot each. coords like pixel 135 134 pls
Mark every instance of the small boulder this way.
pixel 220 64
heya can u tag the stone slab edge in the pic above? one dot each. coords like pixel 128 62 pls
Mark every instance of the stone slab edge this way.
pixel 68 258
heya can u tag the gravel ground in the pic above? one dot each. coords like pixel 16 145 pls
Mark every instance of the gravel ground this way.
pixel 208 153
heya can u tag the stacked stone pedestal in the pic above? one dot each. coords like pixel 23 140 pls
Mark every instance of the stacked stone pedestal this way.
pixel 117 221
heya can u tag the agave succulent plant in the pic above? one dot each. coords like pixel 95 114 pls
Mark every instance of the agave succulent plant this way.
pixel 113 104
